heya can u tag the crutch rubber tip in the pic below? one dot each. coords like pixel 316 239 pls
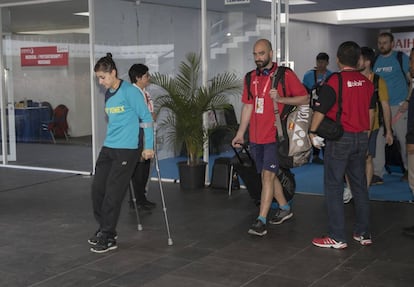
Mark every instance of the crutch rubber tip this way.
pixel 170 242
pixel 139 227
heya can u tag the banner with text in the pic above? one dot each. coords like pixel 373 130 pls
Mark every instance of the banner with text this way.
pixel 404 42
pixel 44 56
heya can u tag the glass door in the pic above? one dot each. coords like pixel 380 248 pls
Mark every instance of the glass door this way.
pixel 46 86
pixel 8 115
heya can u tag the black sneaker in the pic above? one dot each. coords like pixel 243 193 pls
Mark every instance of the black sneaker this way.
pixel 280 216
pixel 376 180
pixel 104 245
pixel 258 228
pixel 93 240
pixel 146 205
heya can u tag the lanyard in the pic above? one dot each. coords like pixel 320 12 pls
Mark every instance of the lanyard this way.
pixel 264 88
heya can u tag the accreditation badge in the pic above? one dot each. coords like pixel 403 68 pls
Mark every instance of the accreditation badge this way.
pixel 259 105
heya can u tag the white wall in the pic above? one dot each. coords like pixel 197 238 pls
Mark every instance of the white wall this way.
pixel 308 39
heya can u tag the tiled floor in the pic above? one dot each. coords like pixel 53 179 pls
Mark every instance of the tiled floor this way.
pixel 46 218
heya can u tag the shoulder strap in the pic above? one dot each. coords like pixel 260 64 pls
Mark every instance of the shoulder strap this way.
pixel 399 58
pixel 375 59
pixel 279 76
pixel 375 82
pixel 339 112
pixel 400 61
pixel 315 77
pixel 248 80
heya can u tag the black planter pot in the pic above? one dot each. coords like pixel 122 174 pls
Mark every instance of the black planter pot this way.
pixel 192 177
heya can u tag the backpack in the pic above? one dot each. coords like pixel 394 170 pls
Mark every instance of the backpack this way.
pixel 294 145
pixel 328 128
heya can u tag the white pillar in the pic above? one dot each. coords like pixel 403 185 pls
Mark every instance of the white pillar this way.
pixel 91 8
pixel 287 32
pixel 276 30
pixel 2 99
pixel 204 69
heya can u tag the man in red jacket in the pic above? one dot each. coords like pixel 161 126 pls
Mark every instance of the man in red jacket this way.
pixel 258 115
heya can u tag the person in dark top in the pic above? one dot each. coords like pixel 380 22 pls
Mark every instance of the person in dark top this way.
pixel 140 78
pixel 311 80
pixel 410 142
pixel 347 154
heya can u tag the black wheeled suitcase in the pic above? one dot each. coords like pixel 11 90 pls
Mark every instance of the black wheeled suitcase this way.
pixel 244 165
pixel 393 156
pixel 220 178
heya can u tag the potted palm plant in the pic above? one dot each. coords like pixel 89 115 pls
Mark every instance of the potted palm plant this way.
pixel 186 100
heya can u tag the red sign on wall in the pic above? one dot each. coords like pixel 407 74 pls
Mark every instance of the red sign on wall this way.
pixel 44 56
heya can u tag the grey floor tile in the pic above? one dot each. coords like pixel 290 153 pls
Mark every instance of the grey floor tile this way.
pixel 234 264
pixel 79 277
pixel 177 281
pixel 139 276
pixel 273 280
pixel 309 268
pixel 385 273
pixel 218 274
pixel 263 251
pixel 120 261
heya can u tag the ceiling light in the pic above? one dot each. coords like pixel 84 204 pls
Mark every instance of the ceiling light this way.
pixel 376 13
pixel 363 15
pixel 53 32
pixel 294 2
pixel 82 14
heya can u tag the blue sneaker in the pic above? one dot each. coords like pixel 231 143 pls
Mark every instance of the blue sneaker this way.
pixel 275 205
pixel 258 228
pixel 281 216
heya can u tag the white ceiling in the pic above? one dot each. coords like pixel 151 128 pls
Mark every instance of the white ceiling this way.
pixel 39 15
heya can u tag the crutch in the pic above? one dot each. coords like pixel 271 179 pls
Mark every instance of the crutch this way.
pixel 134 200
pixel 157 167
